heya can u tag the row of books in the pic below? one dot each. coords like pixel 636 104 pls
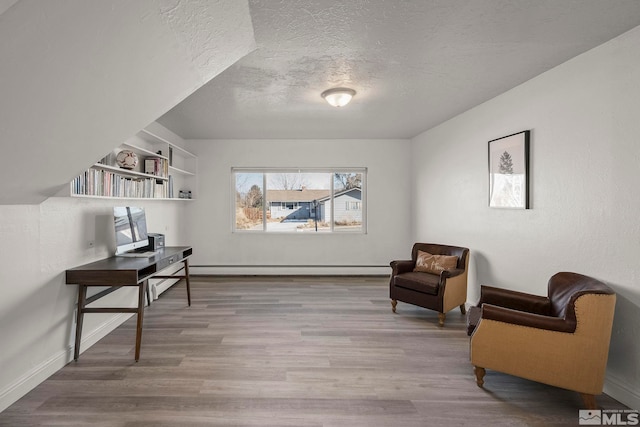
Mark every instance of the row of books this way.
pixel 98 182
pixel 156 166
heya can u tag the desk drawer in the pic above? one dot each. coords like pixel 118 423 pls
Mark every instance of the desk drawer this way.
pixel 162 264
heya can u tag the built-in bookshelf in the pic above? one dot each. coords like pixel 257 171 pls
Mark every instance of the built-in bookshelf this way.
pixel 106 181
pixel 164 170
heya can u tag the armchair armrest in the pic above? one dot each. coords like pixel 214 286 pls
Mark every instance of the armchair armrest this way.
pixel 514 300
pixel 507 315
pixel 402 266
pixel 445 274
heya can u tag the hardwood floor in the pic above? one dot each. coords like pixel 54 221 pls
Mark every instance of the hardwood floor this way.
pixel 288 351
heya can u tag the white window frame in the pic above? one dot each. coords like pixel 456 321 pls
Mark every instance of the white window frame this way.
pixel 265 205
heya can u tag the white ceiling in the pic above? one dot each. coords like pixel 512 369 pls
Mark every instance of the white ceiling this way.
pixel 414 64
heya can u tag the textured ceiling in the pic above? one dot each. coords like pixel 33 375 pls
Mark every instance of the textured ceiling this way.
pixel 414 64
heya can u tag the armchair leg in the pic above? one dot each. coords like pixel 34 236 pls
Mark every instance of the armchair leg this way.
pixel 479 375
pixel 463 309
pixel 589 401
pixel 441 317
pixel 393 305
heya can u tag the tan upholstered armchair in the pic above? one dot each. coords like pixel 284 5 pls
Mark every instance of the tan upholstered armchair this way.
pixel 561 339
pixel 437 280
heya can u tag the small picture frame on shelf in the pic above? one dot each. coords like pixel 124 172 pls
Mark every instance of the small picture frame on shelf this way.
pixel 509 171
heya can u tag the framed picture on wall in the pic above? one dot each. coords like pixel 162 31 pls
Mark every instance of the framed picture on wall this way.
pixel 509 171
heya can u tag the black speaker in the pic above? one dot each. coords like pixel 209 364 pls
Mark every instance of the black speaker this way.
pixel 156 241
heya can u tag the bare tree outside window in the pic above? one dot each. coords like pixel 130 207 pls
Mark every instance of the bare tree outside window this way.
pixel 286 181
pixel 346 181
pixel 254 197
pixel 249 201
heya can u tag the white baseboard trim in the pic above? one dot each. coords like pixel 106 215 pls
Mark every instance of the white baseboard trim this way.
pixel 622 391
pixel 39 373
pixel 291 270
pixel 35 376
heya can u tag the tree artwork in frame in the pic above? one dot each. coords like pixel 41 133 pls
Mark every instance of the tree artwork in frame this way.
pixel 509 171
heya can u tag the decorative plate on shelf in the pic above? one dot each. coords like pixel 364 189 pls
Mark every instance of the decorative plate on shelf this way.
pixel 127 159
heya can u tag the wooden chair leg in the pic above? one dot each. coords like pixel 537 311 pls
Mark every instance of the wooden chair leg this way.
pixel 441 317
pixel 589 401
pixel 463 309
pixel 479 375
pixel 393 305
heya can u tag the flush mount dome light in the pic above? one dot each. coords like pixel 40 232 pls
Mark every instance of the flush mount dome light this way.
pixel 338 97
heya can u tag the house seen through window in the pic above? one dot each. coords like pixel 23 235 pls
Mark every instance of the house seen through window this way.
pixel 302 201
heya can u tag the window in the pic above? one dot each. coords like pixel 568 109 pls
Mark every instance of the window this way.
pixel 299 201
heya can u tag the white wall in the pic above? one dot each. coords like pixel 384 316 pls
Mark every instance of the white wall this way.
pixel 585 170
pixel 388 202
pixel 39 242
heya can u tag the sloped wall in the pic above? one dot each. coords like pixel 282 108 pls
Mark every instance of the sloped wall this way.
pixel 79 77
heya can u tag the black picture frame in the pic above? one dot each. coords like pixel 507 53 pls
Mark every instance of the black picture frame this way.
pixel 509 171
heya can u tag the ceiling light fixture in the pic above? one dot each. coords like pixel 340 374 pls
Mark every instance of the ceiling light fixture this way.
pixel 339 96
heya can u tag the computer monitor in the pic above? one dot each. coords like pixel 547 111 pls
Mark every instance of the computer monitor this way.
pixel 131 229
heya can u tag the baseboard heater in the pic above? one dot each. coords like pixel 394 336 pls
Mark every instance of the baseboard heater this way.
pixel 158 286
pixel 297 269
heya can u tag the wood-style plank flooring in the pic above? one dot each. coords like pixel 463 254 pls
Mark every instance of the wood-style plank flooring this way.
pixel 288 351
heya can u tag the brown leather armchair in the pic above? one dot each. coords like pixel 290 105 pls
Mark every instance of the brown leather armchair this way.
pixel 440 291
pixel 561 339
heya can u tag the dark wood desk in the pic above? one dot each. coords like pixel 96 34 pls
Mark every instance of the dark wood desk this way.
pixel 116 272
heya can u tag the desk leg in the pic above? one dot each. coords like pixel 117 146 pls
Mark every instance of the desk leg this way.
pixel 186 273
pixel 141 292
pixel 148 291
pixel 82 297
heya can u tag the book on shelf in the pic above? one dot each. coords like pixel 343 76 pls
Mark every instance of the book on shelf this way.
pixel 156 166
pixel 109 160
